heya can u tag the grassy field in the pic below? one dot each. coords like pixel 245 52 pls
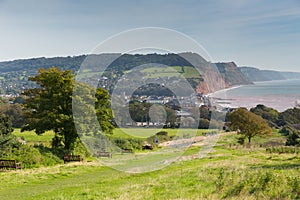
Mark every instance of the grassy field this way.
pixel 32 137
pixel 173 71
pixel 147 132
pixel 228 172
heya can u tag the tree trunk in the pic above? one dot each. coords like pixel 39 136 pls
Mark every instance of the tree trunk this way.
pixel 249 139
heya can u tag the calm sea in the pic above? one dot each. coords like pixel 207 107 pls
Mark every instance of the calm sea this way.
pixel 280 95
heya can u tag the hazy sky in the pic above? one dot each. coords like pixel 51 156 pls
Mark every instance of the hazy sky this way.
pixel 260 33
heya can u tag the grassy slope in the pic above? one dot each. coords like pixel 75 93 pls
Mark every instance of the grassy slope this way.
pixel 32 137
pixel 233 173
pixel 173 71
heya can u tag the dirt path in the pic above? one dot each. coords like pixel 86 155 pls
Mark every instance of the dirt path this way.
pixel 179 142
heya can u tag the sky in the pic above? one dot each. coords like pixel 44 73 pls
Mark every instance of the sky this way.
pixel 258 33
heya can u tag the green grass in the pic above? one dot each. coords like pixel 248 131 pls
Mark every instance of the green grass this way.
pixel 147 132
pixel 172 71
pixel 32 138
pixel 228 173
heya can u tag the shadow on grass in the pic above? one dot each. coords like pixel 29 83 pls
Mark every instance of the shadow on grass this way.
pixel 282 166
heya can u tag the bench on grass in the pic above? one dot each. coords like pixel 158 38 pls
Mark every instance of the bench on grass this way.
pixel 72 158
pixel 10 164
pixel 103 154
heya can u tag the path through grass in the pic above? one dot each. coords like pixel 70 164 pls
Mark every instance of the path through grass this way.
pixel 244 173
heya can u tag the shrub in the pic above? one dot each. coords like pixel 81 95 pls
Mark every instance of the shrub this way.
pixel 165 133
pixel 283 149
pixel 32 157
pixel 128 143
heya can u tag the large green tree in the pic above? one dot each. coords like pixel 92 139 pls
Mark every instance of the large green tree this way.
pixel 248 124
pixel 50 106
pixel 7 140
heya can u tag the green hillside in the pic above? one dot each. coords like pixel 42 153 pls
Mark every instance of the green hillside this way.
pixel 14 74
pixel 230 171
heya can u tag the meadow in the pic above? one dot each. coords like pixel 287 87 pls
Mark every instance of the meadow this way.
pixel 229 171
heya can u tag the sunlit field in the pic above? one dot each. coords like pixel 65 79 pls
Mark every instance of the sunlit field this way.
pixel 229 171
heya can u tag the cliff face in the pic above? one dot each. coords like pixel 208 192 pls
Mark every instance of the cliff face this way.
pixel 255 74
pixel 291 75
pixel 216 76
pixel 212 80
pixel 231 74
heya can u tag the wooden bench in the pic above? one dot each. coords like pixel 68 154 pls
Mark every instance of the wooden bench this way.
pixel 127 151
pixel 72 158
pixel 103 154
pixel 10 164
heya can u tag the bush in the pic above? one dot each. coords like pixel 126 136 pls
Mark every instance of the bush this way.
pixel 80 149
pixel 128 143
pixel 241 140
pixel 165 133
pixel 203 124
pixel 283 149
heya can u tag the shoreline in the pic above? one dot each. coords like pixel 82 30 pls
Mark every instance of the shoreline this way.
pixel 222 90
pixel 278 94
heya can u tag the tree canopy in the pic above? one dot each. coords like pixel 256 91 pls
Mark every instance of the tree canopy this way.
pixel 290 122
pixel 50 106
pixel 267 113
pixel 248 124
pixel 7 140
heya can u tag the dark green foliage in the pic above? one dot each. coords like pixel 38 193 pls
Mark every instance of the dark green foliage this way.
pixel 157 138
pixel 153 89
pixel 32 156
pixel 204 112
pixel 165 133
pixel 248 124
pixel 290 122
pixel 128 143
pixel 283 149
pixel 15 112
pixel 50 107
pixel 139 111
pixel 290 116
pixel 292 135
pixel 269 114
pixel 103 110
pixel 12 149
pixel 16 73
pixel 203 123
pixel 8 142
pixel 5 125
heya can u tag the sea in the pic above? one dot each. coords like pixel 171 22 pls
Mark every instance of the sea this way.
pixel 279 94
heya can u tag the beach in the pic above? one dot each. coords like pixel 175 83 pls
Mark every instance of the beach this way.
pixel 279 95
